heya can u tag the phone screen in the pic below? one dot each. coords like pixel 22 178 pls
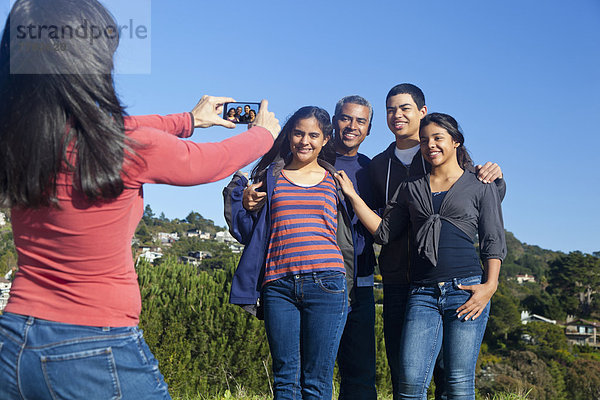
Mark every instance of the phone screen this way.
pixel 240 112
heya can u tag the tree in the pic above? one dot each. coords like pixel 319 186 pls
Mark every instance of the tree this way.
pixel 583 380
pixel 504 318
pixel 203 344
pixel 542 303
pixel 148 216
pixel 550 337
pixel 574 278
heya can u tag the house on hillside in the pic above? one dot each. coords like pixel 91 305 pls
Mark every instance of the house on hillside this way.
pixel 204 235
pixel 150 256
pixel 2 219
pixel 582 332
pixel 198 233
pixel 200 255
pixel 192 233
pixel 190 261
pixel 236 248
pixel 526 317
pixel 521 279
pixel 5 285
pixel 225 237
pixel 166 238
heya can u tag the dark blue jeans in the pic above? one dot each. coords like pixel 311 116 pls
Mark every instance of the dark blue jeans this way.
pixel 304 319
pixel 42 359
pixel 395 297
pixel 356 355
pixel 430 318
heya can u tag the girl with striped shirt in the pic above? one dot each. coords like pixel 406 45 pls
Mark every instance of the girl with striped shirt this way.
pixel 301 241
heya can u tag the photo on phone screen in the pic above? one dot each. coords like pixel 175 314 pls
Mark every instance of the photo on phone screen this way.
pixel 241 112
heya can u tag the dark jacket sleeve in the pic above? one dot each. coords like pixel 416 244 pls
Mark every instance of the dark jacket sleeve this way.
pixel 395 218
pixel 501 185
pixel 492 241
pixel 239 220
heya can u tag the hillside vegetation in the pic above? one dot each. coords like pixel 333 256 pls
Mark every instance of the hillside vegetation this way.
pixel 206 346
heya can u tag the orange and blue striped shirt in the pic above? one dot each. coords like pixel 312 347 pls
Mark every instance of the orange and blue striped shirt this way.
pixel 303 229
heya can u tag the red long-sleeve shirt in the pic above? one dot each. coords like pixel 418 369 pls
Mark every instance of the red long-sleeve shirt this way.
pixel 75 263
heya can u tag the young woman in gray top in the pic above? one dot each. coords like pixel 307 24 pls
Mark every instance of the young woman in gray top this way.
pixel 450 292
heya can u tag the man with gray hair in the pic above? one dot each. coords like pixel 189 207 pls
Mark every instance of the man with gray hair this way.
pixel 356 354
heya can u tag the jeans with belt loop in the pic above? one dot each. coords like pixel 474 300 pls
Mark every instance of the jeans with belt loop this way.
pixel 430 318
pixel 42 359
pixel 304 320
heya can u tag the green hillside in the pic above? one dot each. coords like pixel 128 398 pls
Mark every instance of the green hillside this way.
pixel 206 346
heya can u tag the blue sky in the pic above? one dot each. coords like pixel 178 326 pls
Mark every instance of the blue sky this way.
pixel 521 77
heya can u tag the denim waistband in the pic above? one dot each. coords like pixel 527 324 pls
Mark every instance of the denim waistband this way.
pixel 473 279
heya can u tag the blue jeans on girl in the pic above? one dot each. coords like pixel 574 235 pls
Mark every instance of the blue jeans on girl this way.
pixel 42 359
pixel 304 320
pixel 430 318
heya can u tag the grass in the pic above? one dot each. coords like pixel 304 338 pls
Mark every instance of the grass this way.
pixel 240 394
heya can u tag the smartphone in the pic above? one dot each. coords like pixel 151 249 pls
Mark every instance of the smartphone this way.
pixel 241 112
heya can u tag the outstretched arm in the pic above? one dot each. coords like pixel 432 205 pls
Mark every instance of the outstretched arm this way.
pixel 369 219
pixel 180 125
pixel 205 114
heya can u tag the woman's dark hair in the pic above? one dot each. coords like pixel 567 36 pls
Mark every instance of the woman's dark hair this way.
pixel 281 147
pixel 448 123
pixel 59 110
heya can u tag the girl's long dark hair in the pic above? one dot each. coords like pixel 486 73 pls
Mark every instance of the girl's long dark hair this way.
pixel 59 111
pixel 281 146
pixel 448 123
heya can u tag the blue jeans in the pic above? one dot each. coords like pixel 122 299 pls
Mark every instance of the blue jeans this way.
pixel 430 318
pixel 42 359
pixel 304 320
pixel 356 355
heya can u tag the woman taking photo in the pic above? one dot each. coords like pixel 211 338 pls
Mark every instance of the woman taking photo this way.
pixel 72 168
pixel 298 250
pixel 450 293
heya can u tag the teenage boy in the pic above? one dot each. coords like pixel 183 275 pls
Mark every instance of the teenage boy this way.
pixel 356 354
pixel 405 106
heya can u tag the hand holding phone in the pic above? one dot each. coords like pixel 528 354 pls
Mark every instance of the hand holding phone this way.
pixel 207 112
pixel 267 120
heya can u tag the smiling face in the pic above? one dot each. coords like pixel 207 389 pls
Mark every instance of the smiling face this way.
pixel 238 111
pixel 404 117
pixel 306 141
pixel 246 109
pixel 351 128
pixel 437 145
pixel 231 112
